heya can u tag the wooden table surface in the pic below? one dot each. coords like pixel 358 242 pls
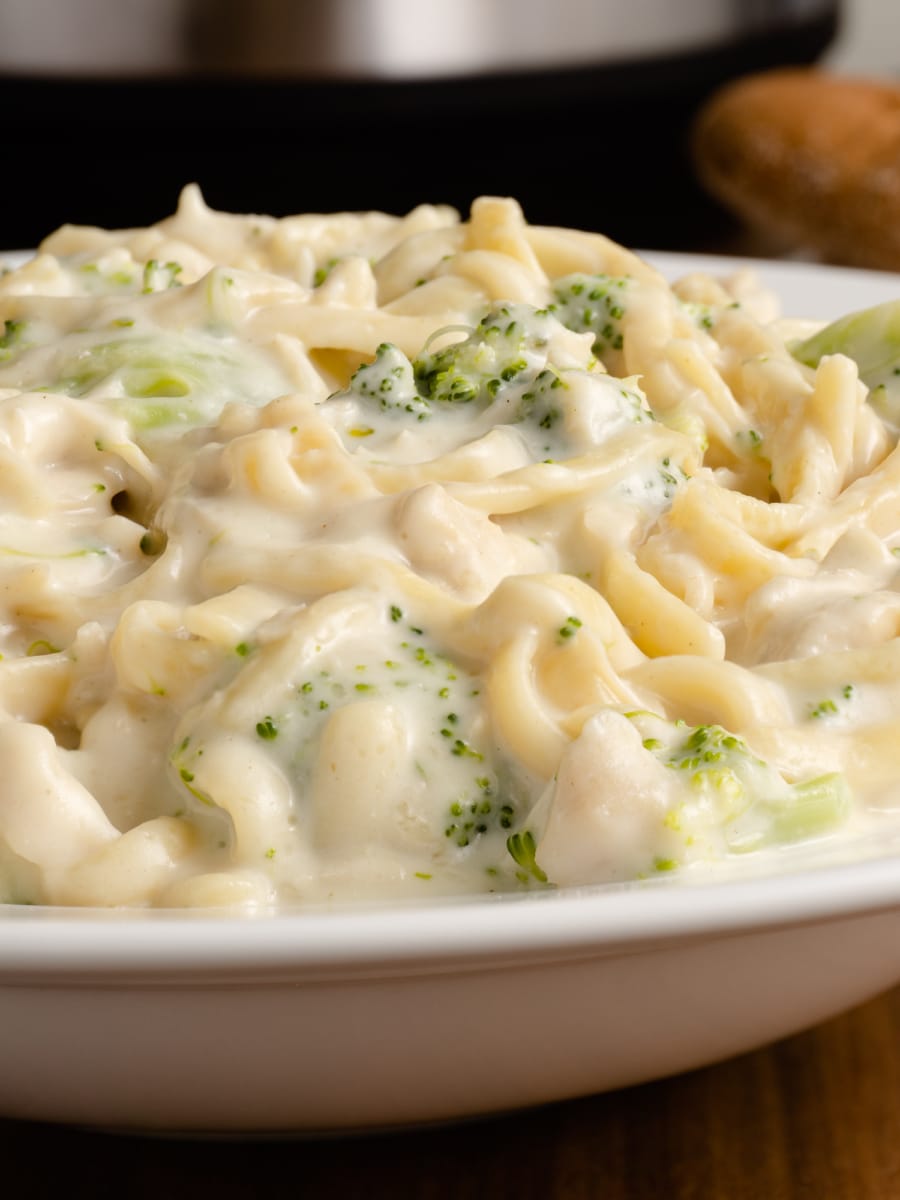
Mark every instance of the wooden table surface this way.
pixel 813 1117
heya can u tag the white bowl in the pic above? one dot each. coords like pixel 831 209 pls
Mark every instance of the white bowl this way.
pixel 347 1020
pixel 353 1020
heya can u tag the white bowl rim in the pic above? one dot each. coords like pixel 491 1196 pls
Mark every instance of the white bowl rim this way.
pixel 469 931
pixel 444 933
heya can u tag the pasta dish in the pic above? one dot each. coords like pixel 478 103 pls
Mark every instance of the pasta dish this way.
pixel 356 555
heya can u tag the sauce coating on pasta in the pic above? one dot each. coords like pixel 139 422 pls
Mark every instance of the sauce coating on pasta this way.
pixel 355 556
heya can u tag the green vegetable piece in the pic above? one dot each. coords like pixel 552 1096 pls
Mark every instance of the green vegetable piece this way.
pixel 388 382
pixel 494 355
pixel 523 849
pixel 571 627
pixel 810 809
pixel 871 337
pixel 12 332
pixel 158 277
pixel 267 729
pixel 11 338
pixel 729 787
pixel 595 303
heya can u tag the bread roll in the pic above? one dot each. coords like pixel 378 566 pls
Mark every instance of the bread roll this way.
pixel 810 157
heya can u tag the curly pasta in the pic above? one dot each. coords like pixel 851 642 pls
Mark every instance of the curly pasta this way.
pixel 350 556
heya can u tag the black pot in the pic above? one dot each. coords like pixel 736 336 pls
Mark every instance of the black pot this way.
pixel 593 134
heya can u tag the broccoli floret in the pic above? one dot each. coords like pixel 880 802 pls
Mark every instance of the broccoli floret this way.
pixel 499 351
pixel 523 848
pixel 506 351
pixel 162 380
pixel 871 338
pixel 389 382
pixel 595 303
pixel 728 786
pixel 514 367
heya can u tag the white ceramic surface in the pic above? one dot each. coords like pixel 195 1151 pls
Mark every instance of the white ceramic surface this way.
pixel 304 1023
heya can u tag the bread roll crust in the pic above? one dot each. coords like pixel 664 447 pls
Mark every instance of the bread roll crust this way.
pixel 810 157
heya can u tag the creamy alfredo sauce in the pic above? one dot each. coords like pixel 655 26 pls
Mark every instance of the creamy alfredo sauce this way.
pixel 348 556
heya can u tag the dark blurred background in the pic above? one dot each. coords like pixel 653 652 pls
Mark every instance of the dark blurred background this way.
pixel 578 108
